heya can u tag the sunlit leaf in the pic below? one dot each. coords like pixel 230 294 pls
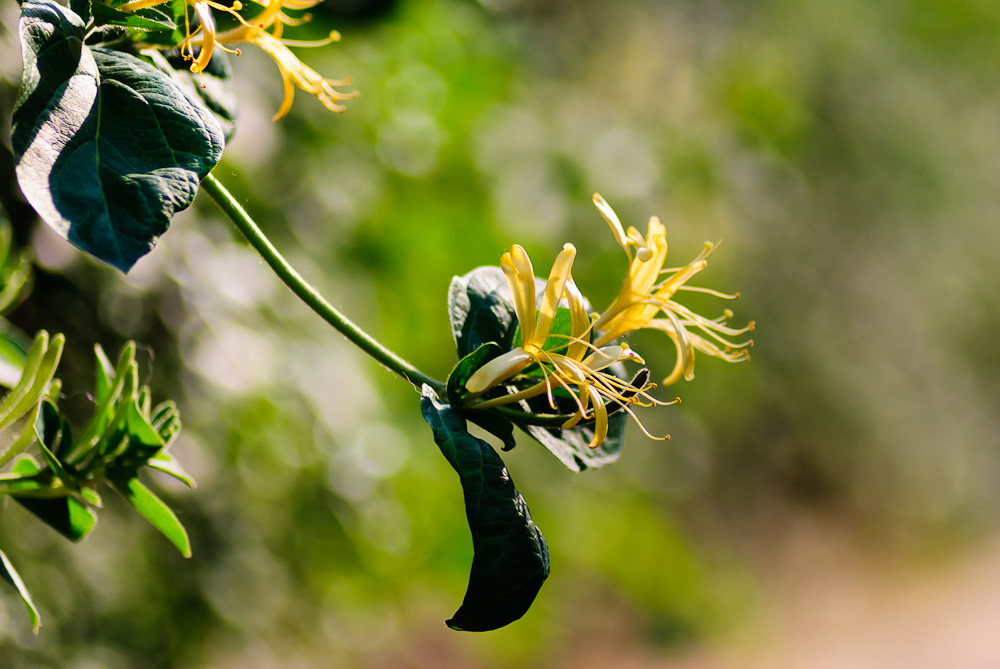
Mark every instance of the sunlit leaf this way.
pixel 481 311
pixel 167 464
pixel 147 18
pixel 13 355
pixel 9 574
pixel 82 8
pixel 104 372
pixel 572 446
pixel 155 511
pixel 108 148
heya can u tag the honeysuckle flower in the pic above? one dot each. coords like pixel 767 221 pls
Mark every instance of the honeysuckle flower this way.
pixel 645 296
pixel 577 367
pixel 294 73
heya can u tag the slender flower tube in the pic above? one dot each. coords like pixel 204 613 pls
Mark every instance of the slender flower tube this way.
pixel 644 296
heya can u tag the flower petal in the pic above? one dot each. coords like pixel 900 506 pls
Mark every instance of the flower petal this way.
pixel 497 370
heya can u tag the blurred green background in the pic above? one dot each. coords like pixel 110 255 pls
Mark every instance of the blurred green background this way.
pixel 847 154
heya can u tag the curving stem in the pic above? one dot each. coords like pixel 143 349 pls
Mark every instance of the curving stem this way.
pixel 308 294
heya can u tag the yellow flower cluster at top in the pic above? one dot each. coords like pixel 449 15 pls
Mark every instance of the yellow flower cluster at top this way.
pixel 200 43
pixel 578 368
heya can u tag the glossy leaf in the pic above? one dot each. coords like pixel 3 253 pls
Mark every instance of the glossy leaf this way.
pixel 511 559
pixel 9 574
pixel 495 424
pixel 572 446
pixel 67 515
pixel 155 511
pixel 104 371
pixel 466 367
pixel 147 18
pixel 108 148
pixel 73 517
pixel 106 410
pixel 16 402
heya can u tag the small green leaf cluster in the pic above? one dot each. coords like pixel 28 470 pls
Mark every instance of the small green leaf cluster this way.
pixel 55 474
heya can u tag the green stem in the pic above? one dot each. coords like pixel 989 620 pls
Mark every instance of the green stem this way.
pixel 308 294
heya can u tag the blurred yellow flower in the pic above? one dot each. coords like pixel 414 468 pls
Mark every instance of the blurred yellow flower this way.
pixel 255 31
pixel 644 296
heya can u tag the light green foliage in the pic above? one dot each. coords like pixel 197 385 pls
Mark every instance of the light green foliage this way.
pixel 55 476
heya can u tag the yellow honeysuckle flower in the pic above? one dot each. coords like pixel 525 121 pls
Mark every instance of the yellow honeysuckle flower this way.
pixel 293 71
pixel 577 369
pixel 644 296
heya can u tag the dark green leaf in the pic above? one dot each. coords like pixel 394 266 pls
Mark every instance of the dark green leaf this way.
pixel 48 432
pixel 82 9
pixel 495 424
pixel 213 86
pixel 68 516
pixel 108 147
pixel 480 310
pixel 9 574
pixel 108 34
pixel 511 559
pixel 155 511
pixel 466 367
